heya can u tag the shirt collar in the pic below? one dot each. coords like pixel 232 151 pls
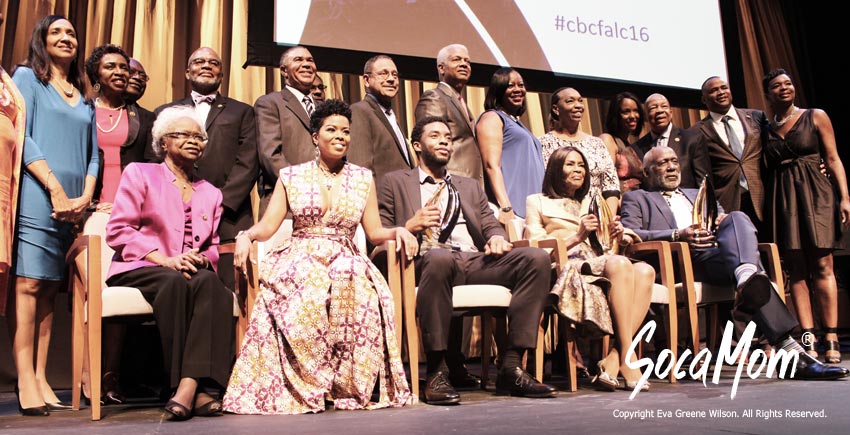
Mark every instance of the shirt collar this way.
pixel 423 175
pixel 298 94
pixel 718 117
pixel 666 132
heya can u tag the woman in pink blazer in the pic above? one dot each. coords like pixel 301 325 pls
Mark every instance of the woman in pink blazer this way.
pixel 163 229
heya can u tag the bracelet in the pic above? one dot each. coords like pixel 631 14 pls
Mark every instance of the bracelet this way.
pixel 47 180
pixel 675 236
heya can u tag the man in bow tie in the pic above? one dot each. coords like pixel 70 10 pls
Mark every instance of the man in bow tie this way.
pixel 230 157
pixel 475 252
pixel 283 120
pixel 730 256
pixel 693 160
pixel 377 141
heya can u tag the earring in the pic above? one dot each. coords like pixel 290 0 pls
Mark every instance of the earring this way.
pixel 317 153
pixel 96 87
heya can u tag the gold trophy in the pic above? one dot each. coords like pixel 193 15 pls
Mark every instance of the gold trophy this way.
pixel 436 237
pixel 601 240
pixel 705 207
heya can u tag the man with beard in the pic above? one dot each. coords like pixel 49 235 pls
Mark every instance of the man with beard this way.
pixel 693 160
pixel 230 157
pixel 283 120
pixel 377 141
pixel 729 256
pixel 475 252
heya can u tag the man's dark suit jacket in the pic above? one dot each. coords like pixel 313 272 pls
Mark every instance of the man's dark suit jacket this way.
pixel 399 198
pixel 230 160
pixel 648 214
pixel 374 144
pixel 443 101
pixel 284 135
pixel 726 168
pixel 693 160
pixel 137 147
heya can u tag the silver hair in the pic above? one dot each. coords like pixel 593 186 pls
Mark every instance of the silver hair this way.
pixel 443 54
pixel 166 120
pixel 655 95
pixel 284 58
pixel 650 155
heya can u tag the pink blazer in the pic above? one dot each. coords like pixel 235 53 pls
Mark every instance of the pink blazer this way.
pixel 148 216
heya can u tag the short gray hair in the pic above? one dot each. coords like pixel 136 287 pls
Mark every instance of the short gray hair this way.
pixel 166 119
pixel 443 54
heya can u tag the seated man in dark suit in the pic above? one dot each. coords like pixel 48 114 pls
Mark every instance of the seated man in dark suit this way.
pixel 475 251
pixel 692 160
pixel 664 212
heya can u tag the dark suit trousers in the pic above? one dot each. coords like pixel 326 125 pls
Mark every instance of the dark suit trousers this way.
pixel 738 244
pixel 194 318
pixel 526 271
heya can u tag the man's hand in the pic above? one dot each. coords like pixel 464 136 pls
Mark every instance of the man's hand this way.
pixel 498 246
pixel 425 217
pixel 697 237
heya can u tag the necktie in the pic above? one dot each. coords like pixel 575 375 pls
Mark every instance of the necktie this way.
pixel 735 145
pixel 661 141
pixel 308 105
pixel 463 108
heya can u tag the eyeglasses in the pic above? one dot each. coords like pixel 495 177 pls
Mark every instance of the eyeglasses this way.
pixel 319 87
pixel 142 76
pixel 185 135
pixel 383 75
pixel 201 61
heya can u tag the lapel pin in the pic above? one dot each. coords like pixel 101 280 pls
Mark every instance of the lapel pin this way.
pixel 676 139
pixel 220 106
pixel 133 114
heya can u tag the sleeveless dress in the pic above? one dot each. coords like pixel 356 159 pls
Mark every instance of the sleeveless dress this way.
pixel 323 322
pixel 801 197
pixel 522 163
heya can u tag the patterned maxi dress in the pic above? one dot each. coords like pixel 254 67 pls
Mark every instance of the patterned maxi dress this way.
pixel 323 322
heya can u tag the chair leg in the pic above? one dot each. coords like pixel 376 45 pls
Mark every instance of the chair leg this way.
pixel 411 331
pixel 567 334
pixel 672 336
pixel 486 340
pixel 78 331
pixel 538 351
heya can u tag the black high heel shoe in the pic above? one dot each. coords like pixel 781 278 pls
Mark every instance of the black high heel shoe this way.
pixel 36 411
pixel 833 347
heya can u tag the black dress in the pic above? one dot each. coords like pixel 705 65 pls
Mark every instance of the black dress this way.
pixel 802 199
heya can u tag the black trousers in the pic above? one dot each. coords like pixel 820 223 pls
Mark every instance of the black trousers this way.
pixel 526 271
pixel 194 317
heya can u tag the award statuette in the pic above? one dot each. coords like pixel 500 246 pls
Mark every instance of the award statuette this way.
pixel 705 207
pixel 601 240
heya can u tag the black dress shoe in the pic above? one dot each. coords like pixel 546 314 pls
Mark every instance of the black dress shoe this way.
pixel 810 369
pixel 112 394
pixel 517 382
pixel 439 391
pixel 35 411
pixel 59 406
pixel 464 380
pixel 754 293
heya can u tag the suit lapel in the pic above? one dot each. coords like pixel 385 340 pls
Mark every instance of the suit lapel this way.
pixel 133 124
pixel 751 133
pixel 413 198
pixel 216 108
pixel 664 208
pixel 379 112
pixel 293 105
pixel 451 95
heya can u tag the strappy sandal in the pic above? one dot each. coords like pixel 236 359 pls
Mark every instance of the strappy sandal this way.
pixel 209 409
pixel 809 343
pixel 833 347
pixel 605 381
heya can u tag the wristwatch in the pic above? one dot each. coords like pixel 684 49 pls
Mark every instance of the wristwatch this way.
pixel 507 209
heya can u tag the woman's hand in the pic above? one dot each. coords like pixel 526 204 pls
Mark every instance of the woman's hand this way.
pixel 62 206
pixel 406 242
pixel 196 258
pixel 104 207
pixel 844 208
pixel 242 252
pixel 586 225
pixel 182 264
pixel 615 229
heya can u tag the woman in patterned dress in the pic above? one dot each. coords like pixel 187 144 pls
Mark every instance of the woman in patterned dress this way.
pixel 322 328
pixel 561 212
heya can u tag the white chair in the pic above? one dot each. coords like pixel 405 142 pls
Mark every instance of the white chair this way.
pixel 88 259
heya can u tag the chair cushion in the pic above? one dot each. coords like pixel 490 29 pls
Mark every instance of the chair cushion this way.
pixel 480 296
pixel 124 301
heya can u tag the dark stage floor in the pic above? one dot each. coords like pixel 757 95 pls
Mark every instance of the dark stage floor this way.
pixel 665 408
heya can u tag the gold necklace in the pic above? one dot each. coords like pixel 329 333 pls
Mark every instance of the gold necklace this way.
pixel 67 93
pixel 327 175
pixel 120 110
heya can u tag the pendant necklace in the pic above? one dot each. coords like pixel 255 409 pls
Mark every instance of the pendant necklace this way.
pixel 780 123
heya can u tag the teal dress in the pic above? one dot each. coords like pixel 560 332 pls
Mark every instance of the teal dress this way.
pixel 65 136
pixel 522 163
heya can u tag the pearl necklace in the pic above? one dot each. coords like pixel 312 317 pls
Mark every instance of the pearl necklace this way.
pixel 329 176
pixel 780 123
pixel 120 110
pixel 67 93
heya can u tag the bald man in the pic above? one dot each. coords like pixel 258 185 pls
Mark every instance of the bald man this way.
pixel 230 158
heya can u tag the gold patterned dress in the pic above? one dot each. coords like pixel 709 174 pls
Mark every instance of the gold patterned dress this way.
pixel 323 322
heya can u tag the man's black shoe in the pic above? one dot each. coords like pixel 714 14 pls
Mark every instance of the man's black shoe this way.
pixel 517 382
pixel 810 369
pixel 464 380
pixel 753 293
pixel 438 390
